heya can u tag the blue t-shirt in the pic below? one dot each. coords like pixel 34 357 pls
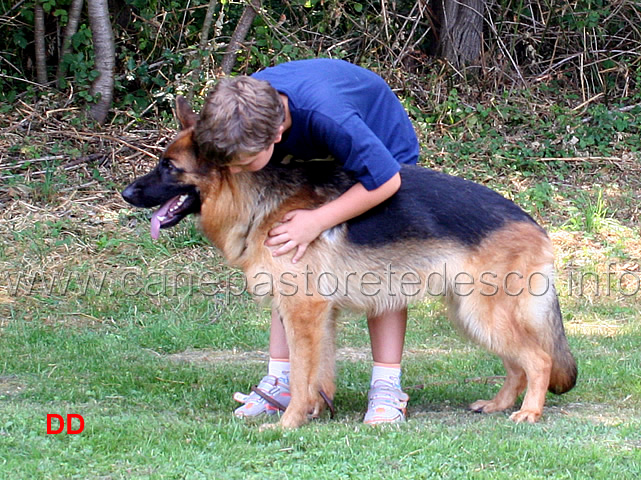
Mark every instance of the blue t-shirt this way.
pixel 341 110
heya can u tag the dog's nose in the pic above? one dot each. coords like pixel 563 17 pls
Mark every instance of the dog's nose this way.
pixel 129 194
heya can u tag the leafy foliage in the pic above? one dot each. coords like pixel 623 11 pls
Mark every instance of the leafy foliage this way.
pixel 590 46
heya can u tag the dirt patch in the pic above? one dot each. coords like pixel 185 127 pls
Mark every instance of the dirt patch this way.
pixel 597 413
pixel 208 356
pixel 11 385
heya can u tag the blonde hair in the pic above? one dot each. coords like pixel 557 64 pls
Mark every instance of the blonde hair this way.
pixel 241 115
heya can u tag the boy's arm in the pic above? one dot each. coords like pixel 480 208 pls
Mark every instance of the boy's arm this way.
pixel 301 227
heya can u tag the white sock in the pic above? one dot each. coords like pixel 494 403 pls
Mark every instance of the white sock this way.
pixel 279 368
pixel 388 372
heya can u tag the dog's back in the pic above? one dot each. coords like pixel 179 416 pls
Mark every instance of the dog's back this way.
pixel 428 205
pixel 432 205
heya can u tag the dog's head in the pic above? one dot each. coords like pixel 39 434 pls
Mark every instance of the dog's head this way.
pixel 171 183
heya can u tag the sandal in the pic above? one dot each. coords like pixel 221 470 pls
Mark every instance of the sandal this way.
pixel 270 396
pixel 387 404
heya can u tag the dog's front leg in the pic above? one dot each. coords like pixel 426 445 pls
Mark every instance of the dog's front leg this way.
pixel 305 321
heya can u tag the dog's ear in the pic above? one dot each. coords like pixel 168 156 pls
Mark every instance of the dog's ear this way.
pixel 185 114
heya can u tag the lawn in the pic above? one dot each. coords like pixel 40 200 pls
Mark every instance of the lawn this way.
pixel 148 341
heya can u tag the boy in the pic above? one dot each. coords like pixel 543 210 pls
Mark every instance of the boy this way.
pixel 315 109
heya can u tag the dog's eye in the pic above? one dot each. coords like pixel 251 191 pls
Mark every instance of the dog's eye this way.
pixel 169 166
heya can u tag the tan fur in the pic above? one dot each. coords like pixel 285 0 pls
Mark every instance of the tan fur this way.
pixel 478 284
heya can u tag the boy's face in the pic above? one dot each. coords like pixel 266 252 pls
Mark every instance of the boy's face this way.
pixel 252 162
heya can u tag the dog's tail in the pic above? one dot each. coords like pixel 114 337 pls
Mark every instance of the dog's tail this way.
pixel 564 369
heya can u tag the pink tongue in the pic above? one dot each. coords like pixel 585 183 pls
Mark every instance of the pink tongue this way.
pixel 155 227
pixel 155 222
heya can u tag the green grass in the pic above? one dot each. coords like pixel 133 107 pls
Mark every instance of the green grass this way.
pixel 149 340
pixel 114 352
pixel 148 416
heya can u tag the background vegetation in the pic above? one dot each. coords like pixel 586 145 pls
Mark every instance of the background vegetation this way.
pixel 589 47
pixel 144 340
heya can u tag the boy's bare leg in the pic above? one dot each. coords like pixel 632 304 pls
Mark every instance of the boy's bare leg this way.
pixel 387 336
pixel 387 401
pixel 278 347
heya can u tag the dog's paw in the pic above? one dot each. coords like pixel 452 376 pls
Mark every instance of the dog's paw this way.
pixel 526 416
pixel 292 419
pixel 485 406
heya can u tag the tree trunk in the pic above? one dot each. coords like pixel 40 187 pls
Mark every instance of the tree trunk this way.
pixel 240 32
pixel 209 18
pixel 204 40
pixel 39 38
pixel 461 30
pixel 70 30
pixel 105 58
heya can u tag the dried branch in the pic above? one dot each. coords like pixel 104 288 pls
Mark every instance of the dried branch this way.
pixel 239 35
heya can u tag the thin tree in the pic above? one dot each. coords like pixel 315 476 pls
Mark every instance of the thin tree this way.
pixel 105 58
pixel 238 37
pixel 204 41
pixel 75 10
pixel 39 38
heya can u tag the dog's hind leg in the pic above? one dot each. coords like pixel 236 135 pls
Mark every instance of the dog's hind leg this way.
pixel 514 385
pixel 518 317
pixel 530 370
pixel 498 324
pixel 537 366
pixel 305 321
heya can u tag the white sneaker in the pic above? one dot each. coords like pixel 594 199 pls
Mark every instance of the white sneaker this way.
pixel 387 404
pixel 270 396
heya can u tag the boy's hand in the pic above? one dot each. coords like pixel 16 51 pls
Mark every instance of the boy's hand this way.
pixel 302 227
pixel 298 229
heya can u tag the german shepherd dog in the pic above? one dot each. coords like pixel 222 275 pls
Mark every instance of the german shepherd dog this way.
pixel 439 235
